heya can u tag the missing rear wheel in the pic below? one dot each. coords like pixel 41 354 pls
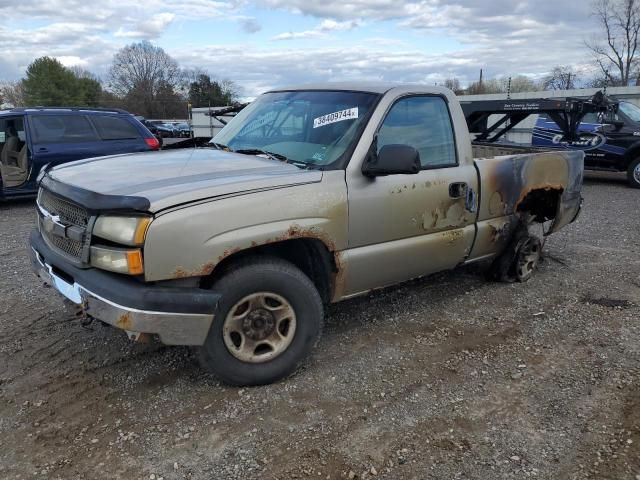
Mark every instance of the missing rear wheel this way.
pixel 527 258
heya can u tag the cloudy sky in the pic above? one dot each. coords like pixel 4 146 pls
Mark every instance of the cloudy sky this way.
pixel 265 43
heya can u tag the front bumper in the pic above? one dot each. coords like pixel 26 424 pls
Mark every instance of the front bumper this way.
pixel 179 316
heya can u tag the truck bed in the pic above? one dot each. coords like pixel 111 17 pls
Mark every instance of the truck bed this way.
pixel 490 150
pixel 545 184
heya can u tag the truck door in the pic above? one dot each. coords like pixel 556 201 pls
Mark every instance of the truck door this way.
pixel 14 152
pixel 405 226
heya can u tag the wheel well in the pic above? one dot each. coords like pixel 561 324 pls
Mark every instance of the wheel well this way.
pixel 310 255
pixel 542 203
pixel 631 155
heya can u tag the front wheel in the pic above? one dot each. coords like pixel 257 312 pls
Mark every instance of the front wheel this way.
pixel 633 173
pixel 268 320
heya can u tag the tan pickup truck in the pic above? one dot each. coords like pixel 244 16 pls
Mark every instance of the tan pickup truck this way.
pixel 308 196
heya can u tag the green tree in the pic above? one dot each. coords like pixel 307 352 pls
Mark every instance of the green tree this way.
pixel 204 92
pixel 169 102
pixel 89 87
pixel 50 83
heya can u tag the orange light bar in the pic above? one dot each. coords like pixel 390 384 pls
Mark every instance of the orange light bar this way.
pixel 134 262
pixel 141 230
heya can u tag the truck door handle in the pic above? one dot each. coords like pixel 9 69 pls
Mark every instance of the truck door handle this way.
pixel 462 190
pixel 458 189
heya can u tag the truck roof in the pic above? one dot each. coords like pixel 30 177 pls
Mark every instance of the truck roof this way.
pixel 370 87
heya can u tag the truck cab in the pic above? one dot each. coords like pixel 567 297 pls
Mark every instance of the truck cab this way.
pixel 610 141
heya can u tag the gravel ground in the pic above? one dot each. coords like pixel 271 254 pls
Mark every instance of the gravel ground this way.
pixel 450 377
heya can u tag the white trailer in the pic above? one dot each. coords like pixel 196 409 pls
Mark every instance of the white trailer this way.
pixel 205 123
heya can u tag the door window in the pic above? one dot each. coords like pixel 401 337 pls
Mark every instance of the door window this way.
pixel 114 128
pixel 423 123
pixel 591 117
pixel 63 129
pixel 12 139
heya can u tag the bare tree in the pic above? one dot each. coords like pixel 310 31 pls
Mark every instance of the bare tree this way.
pixel 490 85
pixel 616 54
pixel 12 93
pixel 560 78
pixel 521 83
pixel 141 72
pixel 454 85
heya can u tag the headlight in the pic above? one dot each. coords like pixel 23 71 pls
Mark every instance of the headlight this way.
pixel 117 260
pixel 125 230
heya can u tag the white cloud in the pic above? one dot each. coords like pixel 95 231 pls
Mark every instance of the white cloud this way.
pixel 326 26
pixel 329 25
pixel 502 36
pixel 72 61
pixel 297 35
pixel 345 10
pixel 148 29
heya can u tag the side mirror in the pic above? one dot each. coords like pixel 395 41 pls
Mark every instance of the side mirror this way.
pixel 393 159
pixel 618 124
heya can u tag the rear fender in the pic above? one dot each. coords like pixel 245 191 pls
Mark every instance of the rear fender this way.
pixel 509 181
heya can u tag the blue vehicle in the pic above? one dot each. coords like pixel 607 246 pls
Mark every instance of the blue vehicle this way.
pixel 610 141
pixel 31 138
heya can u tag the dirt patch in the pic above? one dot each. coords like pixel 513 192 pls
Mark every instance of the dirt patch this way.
pixel 447 377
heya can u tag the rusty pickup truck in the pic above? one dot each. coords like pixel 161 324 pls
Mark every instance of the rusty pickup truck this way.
pixel 310 195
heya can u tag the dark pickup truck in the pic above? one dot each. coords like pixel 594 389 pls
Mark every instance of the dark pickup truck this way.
pixel 610 141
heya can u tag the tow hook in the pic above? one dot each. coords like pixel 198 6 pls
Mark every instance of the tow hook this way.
pixel 79 312
pixel 139 337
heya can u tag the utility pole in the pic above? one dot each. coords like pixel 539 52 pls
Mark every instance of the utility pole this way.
pixel 480 82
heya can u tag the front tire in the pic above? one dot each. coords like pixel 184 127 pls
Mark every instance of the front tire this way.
pixel 633 173
pixel 268 320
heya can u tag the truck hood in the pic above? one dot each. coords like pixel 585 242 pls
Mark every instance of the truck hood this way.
pixel 175 177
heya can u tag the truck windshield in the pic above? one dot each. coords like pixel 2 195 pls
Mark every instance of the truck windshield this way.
pixel 310 127
pixel 631 111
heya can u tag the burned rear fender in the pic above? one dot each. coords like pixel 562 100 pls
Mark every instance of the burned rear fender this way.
pixel 508 182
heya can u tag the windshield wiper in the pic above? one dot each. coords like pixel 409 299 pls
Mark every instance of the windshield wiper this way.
pixel 219 146
pixel 258 151
pixel 272 156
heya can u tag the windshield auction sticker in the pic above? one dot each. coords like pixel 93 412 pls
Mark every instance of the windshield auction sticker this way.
pixel 348 114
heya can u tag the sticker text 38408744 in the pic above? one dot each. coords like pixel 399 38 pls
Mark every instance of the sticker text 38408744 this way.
pixel 348 114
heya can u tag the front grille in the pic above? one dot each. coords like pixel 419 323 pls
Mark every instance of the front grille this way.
pixel 69 214
pixel 70 247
